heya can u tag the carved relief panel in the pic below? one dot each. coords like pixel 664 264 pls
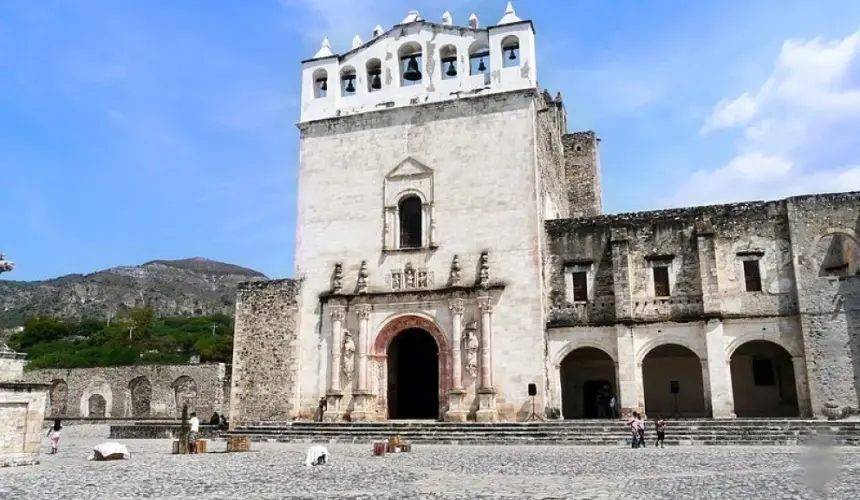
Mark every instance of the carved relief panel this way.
pixel 409 278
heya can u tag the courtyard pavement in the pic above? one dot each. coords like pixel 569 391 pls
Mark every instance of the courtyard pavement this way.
pixel 276 471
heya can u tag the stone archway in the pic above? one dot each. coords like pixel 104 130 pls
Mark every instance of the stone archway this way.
pixel 417 332
pixel 668 368
pixel 588 381
pixel 763 380
pixel 141 397
pixel 59 398
pixel 96 406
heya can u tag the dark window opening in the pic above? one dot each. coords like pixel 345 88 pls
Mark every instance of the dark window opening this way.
pixel 661 281
pixel 410 222
pixel 752 275
pixel 763 372
pixel 580 286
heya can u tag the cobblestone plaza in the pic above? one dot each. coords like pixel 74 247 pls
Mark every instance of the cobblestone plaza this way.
pixel 276 471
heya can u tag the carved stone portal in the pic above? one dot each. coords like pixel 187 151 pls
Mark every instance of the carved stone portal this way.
pixel 409 278
pixel 348 355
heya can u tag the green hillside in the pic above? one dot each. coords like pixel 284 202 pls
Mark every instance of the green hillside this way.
pixel 137 337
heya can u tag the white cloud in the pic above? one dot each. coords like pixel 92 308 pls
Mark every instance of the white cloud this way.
pixel 797 132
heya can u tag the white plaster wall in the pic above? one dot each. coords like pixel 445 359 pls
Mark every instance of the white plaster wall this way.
pixel 485 200
pixel 432 88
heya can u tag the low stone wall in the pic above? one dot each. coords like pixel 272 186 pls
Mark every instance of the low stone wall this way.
pixel 160 431
pixel 141 392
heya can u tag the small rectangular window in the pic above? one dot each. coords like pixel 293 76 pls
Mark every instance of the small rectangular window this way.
pixel 661 281
pixel 763 372
pixel 752 275
pixel 580 286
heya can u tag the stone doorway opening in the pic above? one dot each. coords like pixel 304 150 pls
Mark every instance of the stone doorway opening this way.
pixel 673 383
pixel 413 376
pixel 763 381
pixel 587 383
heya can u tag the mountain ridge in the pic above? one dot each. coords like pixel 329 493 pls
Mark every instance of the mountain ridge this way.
pixel 182 287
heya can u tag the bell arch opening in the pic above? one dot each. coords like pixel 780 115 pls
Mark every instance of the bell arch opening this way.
pixel 763 381
pixel 413 376
pixel 588 383
pixel 673 383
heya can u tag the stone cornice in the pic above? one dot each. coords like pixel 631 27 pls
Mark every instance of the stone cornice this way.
pixel 401 296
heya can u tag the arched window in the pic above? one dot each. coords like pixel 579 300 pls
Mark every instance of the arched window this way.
pixel 411 221
pixel 411 61
pixel 450 67
pixel 347 81
pixel 320 83
pixel 479 60
pixel 510 51
pixel 374 75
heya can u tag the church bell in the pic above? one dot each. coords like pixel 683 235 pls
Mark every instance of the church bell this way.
pixel 349 86
pixel 482 67
pixel 376 83
pixel 323 85
pixel 413 74
pixel 452 71
pixel 513 56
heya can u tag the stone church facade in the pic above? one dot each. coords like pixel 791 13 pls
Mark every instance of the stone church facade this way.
pixel 451 251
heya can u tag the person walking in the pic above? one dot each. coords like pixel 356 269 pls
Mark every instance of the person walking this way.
pixel 54 433
pixel 634 429
pixel 195 430
pixel 661 431
pixel 640 427
pixel 613 406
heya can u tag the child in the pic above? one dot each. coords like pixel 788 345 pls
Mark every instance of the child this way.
pixel 661 431
pixel 54 433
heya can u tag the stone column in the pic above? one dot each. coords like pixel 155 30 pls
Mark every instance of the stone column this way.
pixel 432 229
pixel 361 396
pixel 335 392
pixel 395 242
pixel 387 241
pixel 804 403
pixel 457 411
pixel 486 392
pixel 629 375
pixel 718 372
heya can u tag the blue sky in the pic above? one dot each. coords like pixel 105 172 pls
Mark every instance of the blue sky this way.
pixel 133 130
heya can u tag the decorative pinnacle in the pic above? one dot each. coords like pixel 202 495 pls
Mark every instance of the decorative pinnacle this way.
pixel 377 31
pixel 510 15
pixel 473 21
pixel 447 20
pixel 356 42
pixel 412 17
pixel 325 49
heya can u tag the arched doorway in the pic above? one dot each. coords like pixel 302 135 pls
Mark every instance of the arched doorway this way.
pixel 672 379
pixel 587 383
pixel 763 381
pixel 413 376
pixel 96 406
pixel 140 390
pixel 59 398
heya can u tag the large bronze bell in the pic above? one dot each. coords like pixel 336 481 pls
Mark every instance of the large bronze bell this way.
pixel 413 74
pixel 350 88
pixel 452 71
pixel 376 83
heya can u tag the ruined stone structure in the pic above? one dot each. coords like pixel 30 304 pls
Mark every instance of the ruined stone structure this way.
pixel 22 406
pixel 451 251
pixel 155 391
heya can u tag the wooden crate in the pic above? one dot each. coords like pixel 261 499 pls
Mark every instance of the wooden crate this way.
pixel 201 445
pixel 238 443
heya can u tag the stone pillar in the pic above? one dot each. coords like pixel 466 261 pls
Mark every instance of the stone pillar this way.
pixel 362 397
pixel 804 403
pixel 486 392
pixel 387 241
pixel 395 243
pixel 717 373
pixel 457 411
pixel 432 229
pixel 630 397
pixel 335 392
pixel 629 374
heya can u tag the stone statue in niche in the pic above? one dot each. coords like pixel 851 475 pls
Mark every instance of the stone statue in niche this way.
pixel 471 340
pixel 348 355
pixel 422 279
pixel 484 276
pixel 363 274
pixel 455 271
pixel 397 280
pixel 337 278
pixel 409 276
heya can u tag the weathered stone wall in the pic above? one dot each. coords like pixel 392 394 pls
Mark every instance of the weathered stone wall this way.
pixel 136 391
pixel 266 363
pixel 22 411
pixel 11 365
pixel 824 241
pixel 582 171
pixel 808 258
pixel 551 126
